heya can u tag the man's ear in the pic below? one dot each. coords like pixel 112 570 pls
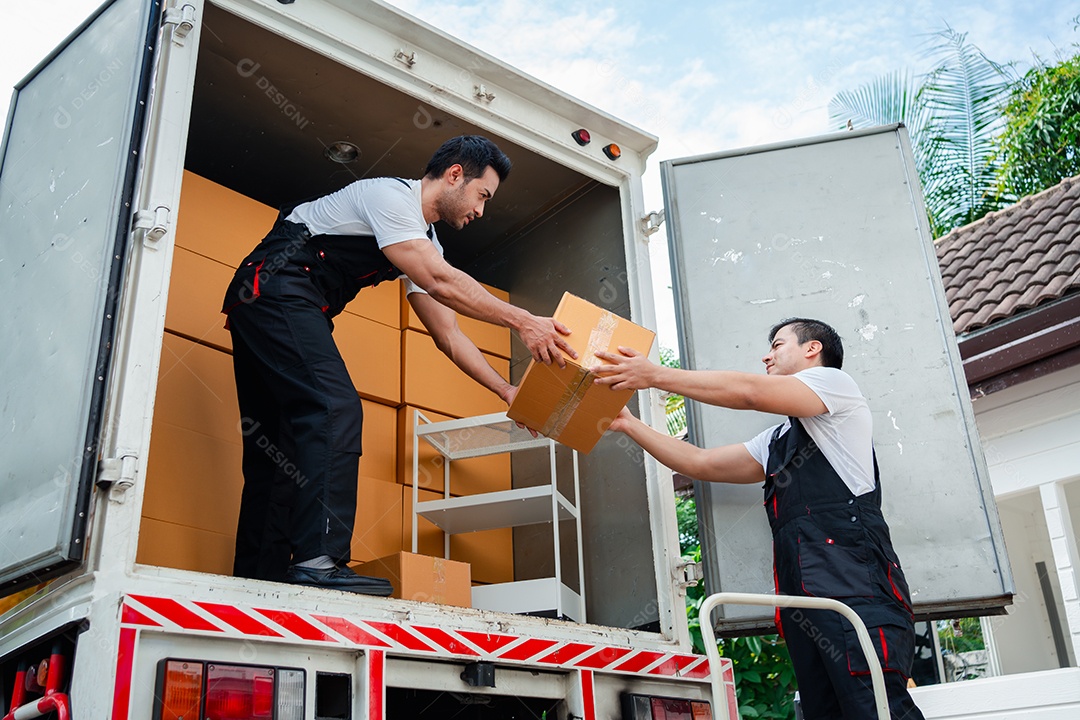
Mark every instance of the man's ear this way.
pixel 454 174
pixel 813 349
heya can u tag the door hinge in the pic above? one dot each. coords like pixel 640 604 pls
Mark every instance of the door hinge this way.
pixel 118 472
pixel 155 222
pixel 688 574
pixel 651 222
pixel 182 20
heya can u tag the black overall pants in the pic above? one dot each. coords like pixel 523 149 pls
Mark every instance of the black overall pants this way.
pixel 829 543
pixel 301 417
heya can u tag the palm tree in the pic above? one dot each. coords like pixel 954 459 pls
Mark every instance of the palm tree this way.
pixel 953 114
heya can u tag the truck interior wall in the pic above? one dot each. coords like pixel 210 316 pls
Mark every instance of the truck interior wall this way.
pixel 579 248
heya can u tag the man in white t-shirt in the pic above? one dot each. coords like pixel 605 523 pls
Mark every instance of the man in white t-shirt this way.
pixel 822 498
pixel 301 416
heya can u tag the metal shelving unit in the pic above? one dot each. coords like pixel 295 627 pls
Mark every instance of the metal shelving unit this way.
pixel 492 435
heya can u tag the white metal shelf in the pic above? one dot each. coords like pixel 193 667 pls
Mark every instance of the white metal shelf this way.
pixel 491 435
pixel 502 509
pixel 479 436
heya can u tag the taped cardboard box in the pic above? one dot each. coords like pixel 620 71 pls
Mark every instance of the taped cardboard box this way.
pixel 564 403
pixel 422 578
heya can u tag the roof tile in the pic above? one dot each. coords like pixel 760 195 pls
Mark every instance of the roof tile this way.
pixel 1014 259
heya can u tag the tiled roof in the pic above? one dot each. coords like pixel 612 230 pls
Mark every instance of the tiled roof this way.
pixel 1014 259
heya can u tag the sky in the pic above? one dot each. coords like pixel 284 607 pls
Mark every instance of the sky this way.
pixel 703 76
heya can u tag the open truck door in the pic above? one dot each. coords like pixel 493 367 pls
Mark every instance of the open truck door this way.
pixel 834 228
pixel 67 179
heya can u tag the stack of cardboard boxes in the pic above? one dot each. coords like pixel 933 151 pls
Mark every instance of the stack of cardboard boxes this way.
pixel 194 476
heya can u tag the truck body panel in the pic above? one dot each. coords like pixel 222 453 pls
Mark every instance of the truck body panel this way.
pixel 67 151
pixel 834 228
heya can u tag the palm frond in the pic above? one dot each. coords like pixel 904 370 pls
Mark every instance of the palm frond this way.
pixel 963 95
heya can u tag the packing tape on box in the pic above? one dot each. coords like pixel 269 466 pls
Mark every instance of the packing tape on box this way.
pixel 600 338
pixel 568 404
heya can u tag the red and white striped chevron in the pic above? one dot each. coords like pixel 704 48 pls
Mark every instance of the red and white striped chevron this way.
pixel 149 613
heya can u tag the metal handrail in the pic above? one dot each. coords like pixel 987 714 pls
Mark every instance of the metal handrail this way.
pixel 786 601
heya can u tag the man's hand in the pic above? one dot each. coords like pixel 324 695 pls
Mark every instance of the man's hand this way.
pixel 629 370
pixel 622 421
pixel 543 337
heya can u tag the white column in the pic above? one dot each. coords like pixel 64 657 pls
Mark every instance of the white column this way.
pixel 1066 558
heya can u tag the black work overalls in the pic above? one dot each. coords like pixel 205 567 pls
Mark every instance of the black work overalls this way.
pixel 829 543
pixel 301 417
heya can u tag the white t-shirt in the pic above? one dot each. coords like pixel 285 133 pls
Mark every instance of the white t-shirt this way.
pixel 384 208
pixel 844 432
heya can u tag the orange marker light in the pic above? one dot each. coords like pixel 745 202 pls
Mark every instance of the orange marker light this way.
pixel 612 151
pixel 182 693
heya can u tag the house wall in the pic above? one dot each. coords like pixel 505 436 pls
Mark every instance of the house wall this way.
pixel 1031 437
pixel 1023 637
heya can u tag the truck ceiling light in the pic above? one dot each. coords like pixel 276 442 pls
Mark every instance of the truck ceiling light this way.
pixel 612 151
pixel 581 136
pixel 342 152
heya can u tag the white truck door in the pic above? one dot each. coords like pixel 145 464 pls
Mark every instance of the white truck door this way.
pixel 834 228
pixel 67 166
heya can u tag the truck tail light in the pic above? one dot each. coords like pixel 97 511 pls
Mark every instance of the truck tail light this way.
pixel 239 693
pixel 290 695
pixel 191 690
pixel 649 707
pixel 181 694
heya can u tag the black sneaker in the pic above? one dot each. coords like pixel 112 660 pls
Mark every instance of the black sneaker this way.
pixel 339 578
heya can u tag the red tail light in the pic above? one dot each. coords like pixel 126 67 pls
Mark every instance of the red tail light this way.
pixel 239 693
pixel 228 692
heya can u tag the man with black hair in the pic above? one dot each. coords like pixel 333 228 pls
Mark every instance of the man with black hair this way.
pixel 822 498
pixel 292 385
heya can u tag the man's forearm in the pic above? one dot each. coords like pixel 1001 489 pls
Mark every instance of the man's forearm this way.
pixel 464 353
pixel 669 451
pixel 460 292
pixel 724 388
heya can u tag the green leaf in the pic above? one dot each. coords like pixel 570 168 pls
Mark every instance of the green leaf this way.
pixel 754 643
pixel 751 676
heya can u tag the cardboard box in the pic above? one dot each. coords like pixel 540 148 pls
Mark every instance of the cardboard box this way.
pixel 381 303
pixel 219 223
pixel 372 353
pixel 380 442
pixel 193 479
pixel 490 553
pixel 422 578
pixel 493 339
pixel 431 380
pixel 197 390
pixel 377 527
pixel 196 288
pixel 467 477
pixel 564 403
pixel 185 548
